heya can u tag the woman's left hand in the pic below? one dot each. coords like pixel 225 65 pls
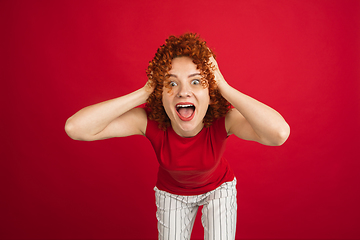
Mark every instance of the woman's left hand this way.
pixel 219 79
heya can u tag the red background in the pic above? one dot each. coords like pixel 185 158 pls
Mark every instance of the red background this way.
pixel 300 57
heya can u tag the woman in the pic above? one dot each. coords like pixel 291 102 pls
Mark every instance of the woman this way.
pixel 187 120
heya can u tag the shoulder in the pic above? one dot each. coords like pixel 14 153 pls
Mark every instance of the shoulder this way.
pixel 218 126
pixel 219 122
pixel 152 126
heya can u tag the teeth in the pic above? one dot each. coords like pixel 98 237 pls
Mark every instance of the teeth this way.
pixel 186 105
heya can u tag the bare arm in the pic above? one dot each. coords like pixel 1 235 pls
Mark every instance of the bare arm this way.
pixel 251 119
pixel 113 118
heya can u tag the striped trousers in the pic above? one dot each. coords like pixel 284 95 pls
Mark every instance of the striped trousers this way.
pixel 176 213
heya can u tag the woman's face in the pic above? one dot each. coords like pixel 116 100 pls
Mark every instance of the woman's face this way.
pixel 184 98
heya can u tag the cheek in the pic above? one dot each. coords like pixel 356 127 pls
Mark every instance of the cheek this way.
pixel 206 96
pixel 166 100
pixel 167 92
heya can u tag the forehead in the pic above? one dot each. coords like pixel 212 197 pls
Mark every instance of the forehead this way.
pixel 183 65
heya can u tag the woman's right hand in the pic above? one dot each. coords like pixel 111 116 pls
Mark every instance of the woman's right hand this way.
pixel 149 86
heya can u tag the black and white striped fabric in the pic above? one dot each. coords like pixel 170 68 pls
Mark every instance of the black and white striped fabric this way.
pixel 176 213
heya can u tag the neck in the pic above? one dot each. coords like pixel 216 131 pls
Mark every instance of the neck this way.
pixel 187 134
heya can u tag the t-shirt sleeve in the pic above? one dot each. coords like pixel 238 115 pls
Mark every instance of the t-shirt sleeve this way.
pixel 152 128
pixel 219 125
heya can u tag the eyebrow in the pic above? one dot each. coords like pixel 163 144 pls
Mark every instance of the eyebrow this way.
pixel 190 76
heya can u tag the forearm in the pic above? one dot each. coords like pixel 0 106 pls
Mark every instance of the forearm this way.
pixel 93 119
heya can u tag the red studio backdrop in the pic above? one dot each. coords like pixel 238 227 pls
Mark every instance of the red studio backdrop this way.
pixel 300 57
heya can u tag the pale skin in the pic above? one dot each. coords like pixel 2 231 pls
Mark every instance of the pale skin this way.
pixel 249 120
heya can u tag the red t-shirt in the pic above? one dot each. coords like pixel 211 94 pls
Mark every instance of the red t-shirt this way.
pixel 190 166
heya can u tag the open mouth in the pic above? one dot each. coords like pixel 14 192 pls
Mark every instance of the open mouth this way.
pixel 185 111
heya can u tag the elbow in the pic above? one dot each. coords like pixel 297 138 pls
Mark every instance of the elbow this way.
pixel 278 136
pixel 72 131
pixel 282 135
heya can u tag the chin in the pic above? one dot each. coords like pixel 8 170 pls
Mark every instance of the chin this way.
pixel 190 128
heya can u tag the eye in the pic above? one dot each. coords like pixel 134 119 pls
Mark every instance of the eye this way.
pixel 172 84
pixel 195 82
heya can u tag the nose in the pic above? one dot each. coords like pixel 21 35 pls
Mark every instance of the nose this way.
pixel 184 91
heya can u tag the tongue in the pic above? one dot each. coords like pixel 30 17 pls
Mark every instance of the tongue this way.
pixel 186 112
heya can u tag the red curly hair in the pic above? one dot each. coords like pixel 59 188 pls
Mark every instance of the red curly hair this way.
pixel 192 46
